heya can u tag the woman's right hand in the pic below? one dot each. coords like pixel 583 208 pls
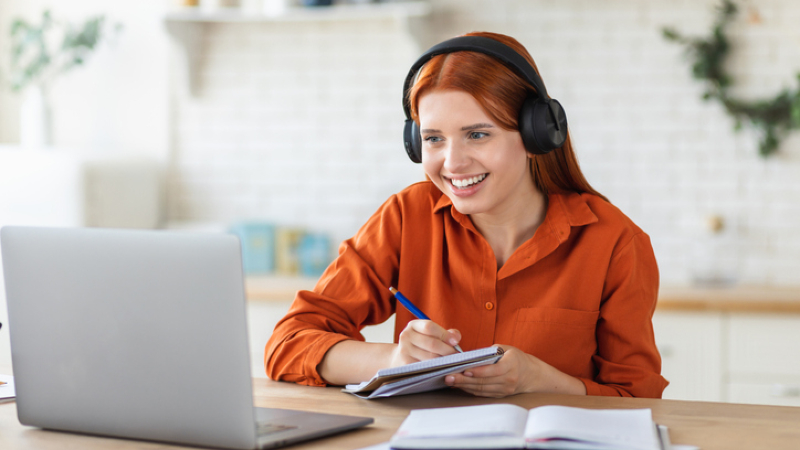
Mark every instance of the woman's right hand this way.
pixel 422 340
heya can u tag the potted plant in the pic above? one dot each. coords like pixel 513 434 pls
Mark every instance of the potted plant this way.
pixel 40 52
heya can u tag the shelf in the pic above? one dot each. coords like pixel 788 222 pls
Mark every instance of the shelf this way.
pixel 370 11
pixel 188 25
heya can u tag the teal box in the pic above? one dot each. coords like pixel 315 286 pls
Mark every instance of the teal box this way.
pixel 314 253
pixel 258 246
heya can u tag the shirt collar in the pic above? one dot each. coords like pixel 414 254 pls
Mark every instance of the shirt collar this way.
pixel 444 201
pixel 563 210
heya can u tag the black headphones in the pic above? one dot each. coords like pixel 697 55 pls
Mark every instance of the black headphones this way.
pixel 542 121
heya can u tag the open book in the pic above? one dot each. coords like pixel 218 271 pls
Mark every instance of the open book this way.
pixel 546 427
pixel 422 376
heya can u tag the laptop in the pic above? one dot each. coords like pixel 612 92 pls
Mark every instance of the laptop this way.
pixel 139 334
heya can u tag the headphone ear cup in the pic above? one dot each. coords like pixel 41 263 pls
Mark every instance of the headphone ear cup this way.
pixel 412 141
pixel 542 125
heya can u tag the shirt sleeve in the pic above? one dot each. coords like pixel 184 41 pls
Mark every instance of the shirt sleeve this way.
pixel 627 360
pixel 353 292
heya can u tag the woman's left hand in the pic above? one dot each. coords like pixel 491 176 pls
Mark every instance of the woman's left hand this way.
pixel 515 373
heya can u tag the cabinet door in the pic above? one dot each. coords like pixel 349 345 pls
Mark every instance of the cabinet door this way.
pixel 764 345
pixel 764 359
pixel 691 354
pixel 262 316
pixel 261 320
pixel 775 392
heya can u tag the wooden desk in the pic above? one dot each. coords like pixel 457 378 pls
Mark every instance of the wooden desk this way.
pixel 711 426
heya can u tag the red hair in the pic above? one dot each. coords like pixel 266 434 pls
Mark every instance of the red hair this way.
pixel 500 91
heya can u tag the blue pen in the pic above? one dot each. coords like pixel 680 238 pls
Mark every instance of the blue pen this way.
pixel 414 310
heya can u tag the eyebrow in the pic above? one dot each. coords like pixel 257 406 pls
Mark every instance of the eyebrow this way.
pixel 464 128
pixel 477 126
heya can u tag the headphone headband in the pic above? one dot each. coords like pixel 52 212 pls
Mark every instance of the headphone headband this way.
pixel 542 121
pixel 478 44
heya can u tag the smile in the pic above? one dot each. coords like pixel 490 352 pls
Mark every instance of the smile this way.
pixel 467 182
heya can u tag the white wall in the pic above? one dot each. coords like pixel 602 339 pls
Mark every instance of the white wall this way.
pixel 117 102
pixel 300 123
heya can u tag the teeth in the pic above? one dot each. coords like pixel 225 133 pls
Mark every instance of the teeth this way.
pixel 468 181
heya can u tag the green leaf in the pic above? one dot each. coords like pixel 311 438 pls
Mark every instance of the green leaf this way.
pixel 32 58
pixel 772 116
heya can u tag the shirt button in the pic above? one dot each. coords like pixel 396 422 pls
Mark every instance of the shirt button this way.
pixel 489 306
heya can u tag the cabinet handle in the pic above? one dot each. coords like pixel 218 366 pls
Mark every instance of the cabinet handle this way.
pixel 785 390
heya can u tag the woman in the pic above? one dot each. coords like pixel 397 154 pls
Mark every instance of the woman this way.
pixel 505 244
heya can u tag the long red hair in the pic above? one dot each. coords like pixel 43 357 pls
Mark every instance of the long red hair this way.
pixel 500 91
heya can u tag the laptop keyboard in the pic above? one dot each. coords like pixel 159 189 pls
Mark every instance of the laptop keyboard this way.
pixel 264 429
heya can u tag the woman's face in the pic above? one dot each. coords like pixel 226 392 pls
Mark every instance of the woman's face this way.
pixel 481 167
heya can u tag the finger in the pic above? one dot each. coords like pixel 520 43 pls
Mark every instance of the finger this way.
pixel 483 387
pixel 464 380
pixel 454 338
pixel 430 336
pixel 428 328
pixel 488 371
pixel 420 354
pixel 417 347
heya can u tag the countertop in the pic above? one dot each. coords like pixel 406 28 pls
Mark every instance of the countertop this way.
pixel 730 298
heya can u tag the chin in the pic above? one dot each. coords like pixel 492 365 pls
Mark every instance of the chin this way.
pixel 466 208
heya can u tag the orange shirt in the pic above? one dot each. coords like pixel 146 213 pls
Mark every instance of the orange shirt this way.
pixel 579 294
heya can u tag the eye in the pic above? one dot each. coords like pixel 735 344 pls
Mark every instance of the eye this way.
pixel 476 135
pixel 432 139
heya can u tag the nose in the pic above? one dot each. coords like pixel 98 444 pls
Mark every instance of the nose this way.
pixel 456 158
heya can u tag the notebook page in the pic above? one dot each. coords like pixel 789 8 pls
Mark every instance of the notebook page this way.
pixel 629 429
pixel 464 421
pixel 425 382
pixel 442 361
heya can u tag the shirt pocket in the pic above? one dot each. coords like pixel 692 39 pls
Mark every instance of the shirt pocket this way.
pixel 563 338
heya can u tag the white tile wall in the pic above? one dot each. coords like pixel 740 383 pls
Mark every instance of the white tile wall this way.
pixel 300 123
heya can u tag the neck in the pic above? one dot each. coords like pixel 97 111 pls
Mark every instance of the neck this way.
pixel 506 231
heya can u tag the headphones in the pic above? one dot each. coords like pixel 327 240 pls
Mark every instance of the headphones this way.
pixel 542 120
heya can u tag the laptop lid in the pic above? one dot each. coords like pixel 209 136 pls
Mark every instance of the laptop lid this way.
pixel 136 334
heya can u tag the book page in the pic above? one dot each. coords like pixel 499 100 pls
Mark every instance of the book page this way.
pixel 464 421
pixel 624 429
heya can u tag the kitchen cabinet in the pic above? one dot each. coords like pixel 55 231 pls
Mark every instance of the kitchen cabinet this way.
pixel 269 299
pixel 764 359
pixel 737 345
pixel 692 359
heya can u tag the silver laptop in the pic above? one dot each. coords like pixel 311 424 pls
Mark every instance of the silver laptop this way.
pixel 139 334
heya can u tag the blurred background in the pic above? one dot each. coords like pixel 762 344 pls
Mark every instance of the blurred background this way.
pixel 277 120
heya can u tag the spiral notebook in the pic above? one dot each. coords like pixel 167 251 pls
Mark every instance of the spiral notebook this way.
pixel 422 376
